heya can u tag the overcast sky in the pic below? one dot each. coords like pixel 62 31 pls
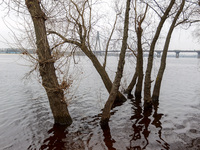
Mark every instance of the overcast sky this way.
pixel 181 39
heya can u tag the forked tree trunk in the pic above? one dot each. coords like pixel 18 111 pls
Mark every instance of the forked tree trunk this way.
pixel 139 65
pixel 138 89
pixel 156 91
pixel 115 86
pixel 46 66
pixel 147 82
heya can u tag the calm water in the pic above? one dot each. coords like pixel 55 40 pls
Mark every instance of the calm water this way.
pixel 26 121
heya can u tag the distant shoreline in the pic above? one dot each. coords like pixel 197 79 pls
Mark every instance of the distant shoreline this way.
pixel 171 56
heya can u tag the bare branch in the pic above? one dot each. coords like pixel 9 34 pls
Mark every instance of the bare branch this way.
pixel 108 42
pixel 65 39
pixel 134 52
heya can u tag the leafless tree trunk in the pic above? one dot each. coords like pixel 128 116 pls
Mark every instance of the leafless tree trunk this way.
pixel 156 91
pixel 139 68
pixel 138 76
pixel 99 68
pixel 147 82
pixel 115 86
pixel 82 30
pixel 108 42
pixel 46 66
pixel 132 84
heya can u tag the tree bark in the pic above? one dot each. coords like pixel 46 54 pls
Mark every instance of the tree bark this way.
pixel 156 91
pixel 115 86
pixel 147 82
pixel 46 66
pixel 99 68
pixel 139 67
pixel 132 83
pixel 103 74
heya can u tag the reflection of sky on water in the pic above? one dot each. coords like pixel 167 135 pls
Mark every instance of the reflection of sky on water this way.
pixel 26 121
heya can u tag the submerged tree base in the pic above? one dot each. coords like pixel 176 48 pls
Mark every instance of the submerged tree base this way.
pixel 138 94
pixel 104 123
pixel 155 98
pixel 127 91
pixel 130 96
pixel 63 121
pixel 120 98
pixel 148 105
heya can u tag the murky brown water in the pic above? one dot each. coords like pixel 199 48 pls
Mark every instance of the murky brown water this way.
pixel 26 121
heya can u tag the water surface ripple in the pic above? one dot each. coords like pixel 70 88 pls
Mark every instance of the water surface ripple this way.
pixel 26 120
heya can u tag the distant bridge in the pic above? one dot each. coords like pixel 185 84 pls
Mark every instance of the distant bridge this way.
pixel 177 52
pixel 158 52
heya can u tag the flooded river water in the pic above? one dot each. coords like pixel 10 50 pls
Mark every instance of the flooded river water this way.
pixel 26 120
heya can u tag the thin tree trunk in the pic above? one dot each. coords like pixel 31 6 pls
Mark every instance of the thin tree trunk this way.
pixel 115 86
pixel 108 42
pixel 103 74
pixel 132 83
pixel 147 82
pixel 139 64
pixel 156 91
pixel 46 66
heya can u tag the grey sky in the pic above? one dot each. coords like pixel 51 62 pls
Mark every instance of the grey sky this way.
pixel 181 39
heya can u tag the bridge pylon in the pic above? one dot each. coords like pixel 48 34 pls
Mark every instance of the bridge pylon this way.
pixel 158 54
pixel 97 47
pixel 177 54
pixel 198 54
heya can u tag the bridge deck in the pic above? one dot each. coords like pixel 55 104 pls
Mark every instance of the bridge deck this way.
pixel 181 51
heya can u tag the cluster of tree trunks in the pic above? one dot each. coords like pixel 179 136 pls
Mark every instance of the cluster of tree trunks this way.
pixel 47 70
pixel 156 91
pixel 147 82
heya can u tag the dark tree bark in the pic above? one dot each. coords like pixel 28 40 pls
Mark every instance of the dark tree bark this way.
pixel 100 69
pixel 46 66
pixel 103 74
pixel 115 86
pixel 156 91
pixel 139 68
pixel 132 83
pixel 147 82
pixel 138 76
pixel 82 28
pixel 139 31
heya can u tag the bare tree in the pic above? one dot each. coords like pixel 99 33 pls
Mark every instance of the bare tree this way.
pixel 159 77
pixel 147 83
pixel 138 76
pixel 80 31
pixel 46 66
pixel 115 86
pixel 187 18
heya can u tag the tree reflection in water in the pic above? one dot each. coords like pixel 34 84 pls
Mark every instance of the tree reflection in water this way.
pixel 143 119
pixel 56 141
pixel 156 122
pixel 146 132
pixel 109 141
